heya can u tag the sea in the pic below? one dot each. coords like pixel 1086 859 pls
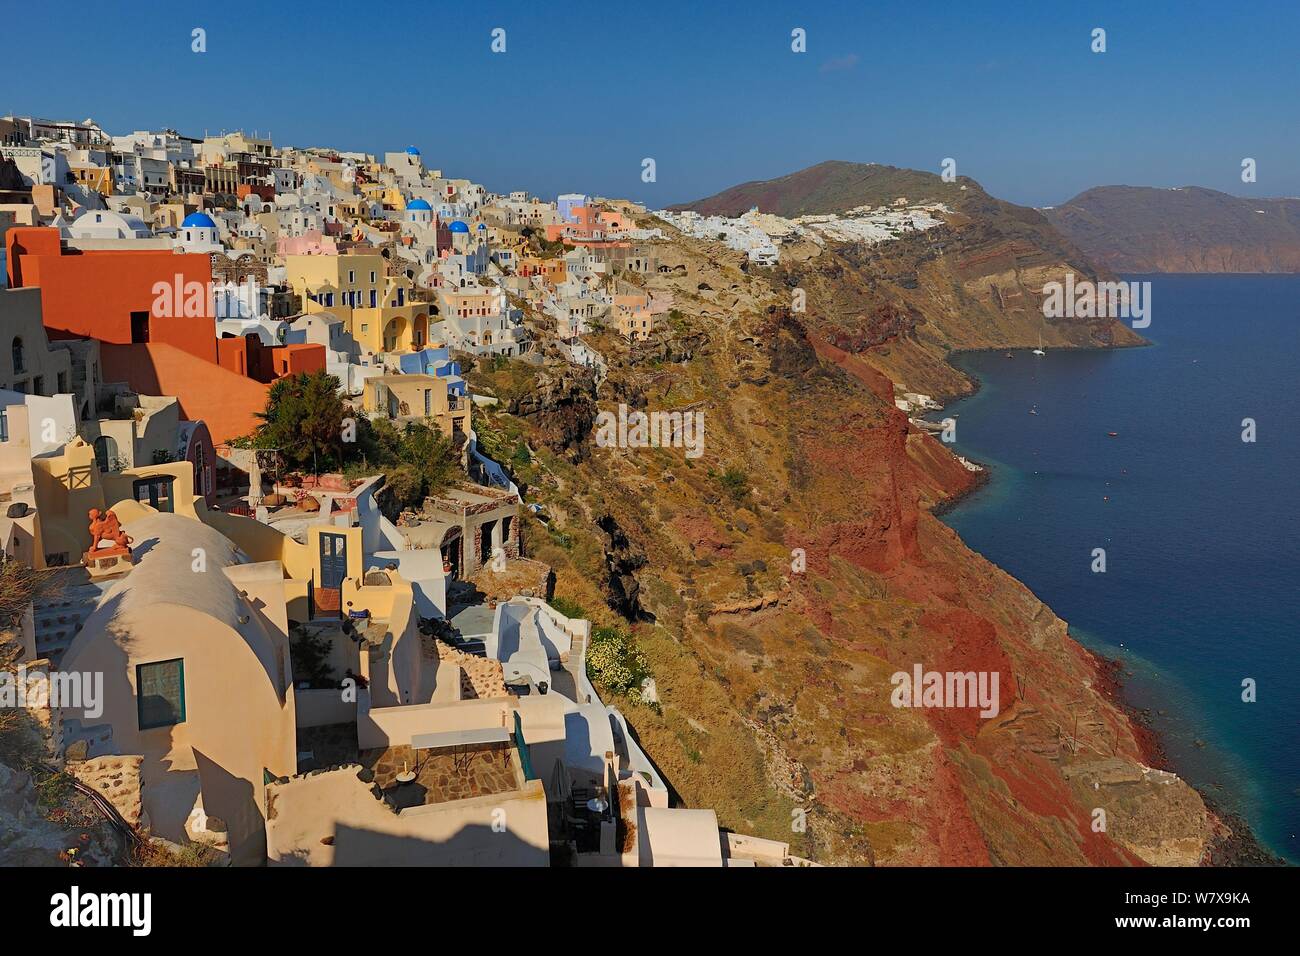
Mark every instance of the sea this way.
pixel 1149 497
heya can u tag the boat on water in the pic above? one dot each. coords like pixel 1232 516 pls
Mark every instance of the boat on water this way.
pixel 1039 350
pixel 1113 434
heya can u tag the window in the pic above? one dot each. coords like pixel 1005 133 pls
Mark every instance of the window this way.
pixel 157 491
pixel 139 327
pixel 200 470
pixel 4 424
pixel 19 356
pixel 160 693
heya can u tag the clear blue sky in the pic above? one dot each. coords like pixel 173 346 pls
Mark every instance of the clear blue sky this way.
pixel 710 89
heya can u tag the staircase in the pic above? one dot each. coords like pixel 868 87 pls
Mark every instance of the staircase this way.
pixel 60 616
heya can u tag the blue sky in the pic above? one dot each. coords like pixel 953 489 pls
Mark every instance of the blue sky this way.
pixel 710 89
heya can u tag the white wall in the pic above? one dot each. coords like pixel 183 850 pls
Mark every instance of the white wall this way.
pixel 48 417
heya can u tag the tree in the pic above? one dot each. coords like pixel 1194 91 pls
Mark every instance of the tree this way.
pixel 304 419
pixel 417 459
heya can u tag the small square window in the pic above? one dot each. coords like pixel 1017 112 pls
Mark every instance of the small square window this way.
pixel 160 693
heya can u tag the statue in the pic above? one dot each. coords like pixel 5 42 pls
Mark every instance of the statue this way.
pixel 111 561
pixel 106 528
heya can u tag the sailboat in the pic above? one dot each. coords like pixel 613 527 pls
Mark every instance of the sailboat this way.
pixel 1039 350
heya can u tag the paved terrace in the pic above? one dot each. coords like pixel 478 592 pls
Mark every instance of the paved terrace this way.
pixel 477 772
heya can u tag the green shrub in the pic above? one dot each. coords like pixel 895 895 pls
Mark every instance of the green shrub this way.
pixel 615 663
pixel 569 608
pixel 735 482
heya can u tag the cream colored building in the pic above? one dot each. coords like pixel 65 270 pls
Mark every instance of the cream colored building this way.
pixel 418 397
pixel 194 649
pixel 27 362
pixel 20 528
pixel 631 311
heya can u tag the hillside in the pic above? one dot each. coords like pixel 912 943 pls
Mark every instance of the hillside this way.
pixel 832 186
pixel 976 282
pixel 1143 229
pixel 774 679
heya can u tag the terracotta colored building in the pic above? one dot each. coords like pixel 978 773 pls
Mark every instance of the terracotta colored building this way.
pixel 109 294
pixel 247 356
pixel 159 342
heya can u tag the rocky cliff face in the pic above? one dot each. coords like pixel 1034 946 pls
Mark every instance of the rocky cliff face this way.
pixel 560 406
pixel 1141 229
pixel 796 567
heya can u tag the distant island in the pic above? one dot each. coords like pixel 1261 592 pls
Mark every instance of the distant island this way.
pixel 1189 229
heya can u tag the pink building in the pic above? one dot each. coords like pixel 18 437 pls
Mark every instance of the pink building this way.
pixel 312 243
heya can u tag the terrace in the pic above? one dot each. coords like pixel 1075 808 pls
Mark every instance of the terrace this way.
pixel 449 773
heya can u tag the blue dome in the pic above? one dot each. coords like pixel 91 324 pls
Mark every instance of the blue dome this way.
pixel 458 226
pixel 198 220
pixel 412 151
pixel 482 227
pixel 419 204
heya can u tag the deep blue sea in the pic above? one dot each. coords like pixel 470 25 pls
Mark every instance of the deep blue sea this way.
pixel 1201 530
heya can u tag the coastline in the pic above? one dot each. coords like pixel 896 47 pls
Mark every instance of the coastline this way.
pixel 982 478
pixel 1235 843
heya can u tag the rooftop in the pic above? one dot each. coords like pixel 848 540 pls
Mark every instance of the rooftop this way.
pixel 478 771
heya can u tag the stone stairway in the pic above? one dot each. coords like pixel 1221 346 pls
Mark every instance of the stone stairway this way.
pixel 59 616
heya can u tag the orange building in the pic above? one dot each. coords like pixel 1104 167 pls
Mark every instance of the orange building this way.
pixel 159 342
pixel 109 294
pixel 592 228
pixel 247 356
pixel 552 271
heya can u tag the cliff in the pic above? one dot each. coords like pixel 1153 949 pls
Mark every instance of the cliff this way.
pixel 775 584
pixel 1142 229
pixel 975 282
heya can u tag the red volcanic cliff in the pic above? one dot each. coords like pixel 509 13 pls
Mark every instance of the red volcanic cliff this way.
pixel 784 578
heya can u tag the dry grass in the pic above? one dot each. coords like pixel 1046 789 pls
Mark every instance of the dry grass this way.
pixel 152 854
pixel 19 586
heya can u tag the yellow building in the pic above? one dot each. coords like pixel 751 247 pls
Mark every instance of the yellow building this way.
pixel 387 195
pixel 191 638
pixel 375 307
pixel 97 179
pixel 632 312
pixel 418 396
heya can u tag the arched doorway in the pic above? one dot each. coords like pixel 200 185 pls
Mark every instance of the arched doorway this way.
pixel 396 334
